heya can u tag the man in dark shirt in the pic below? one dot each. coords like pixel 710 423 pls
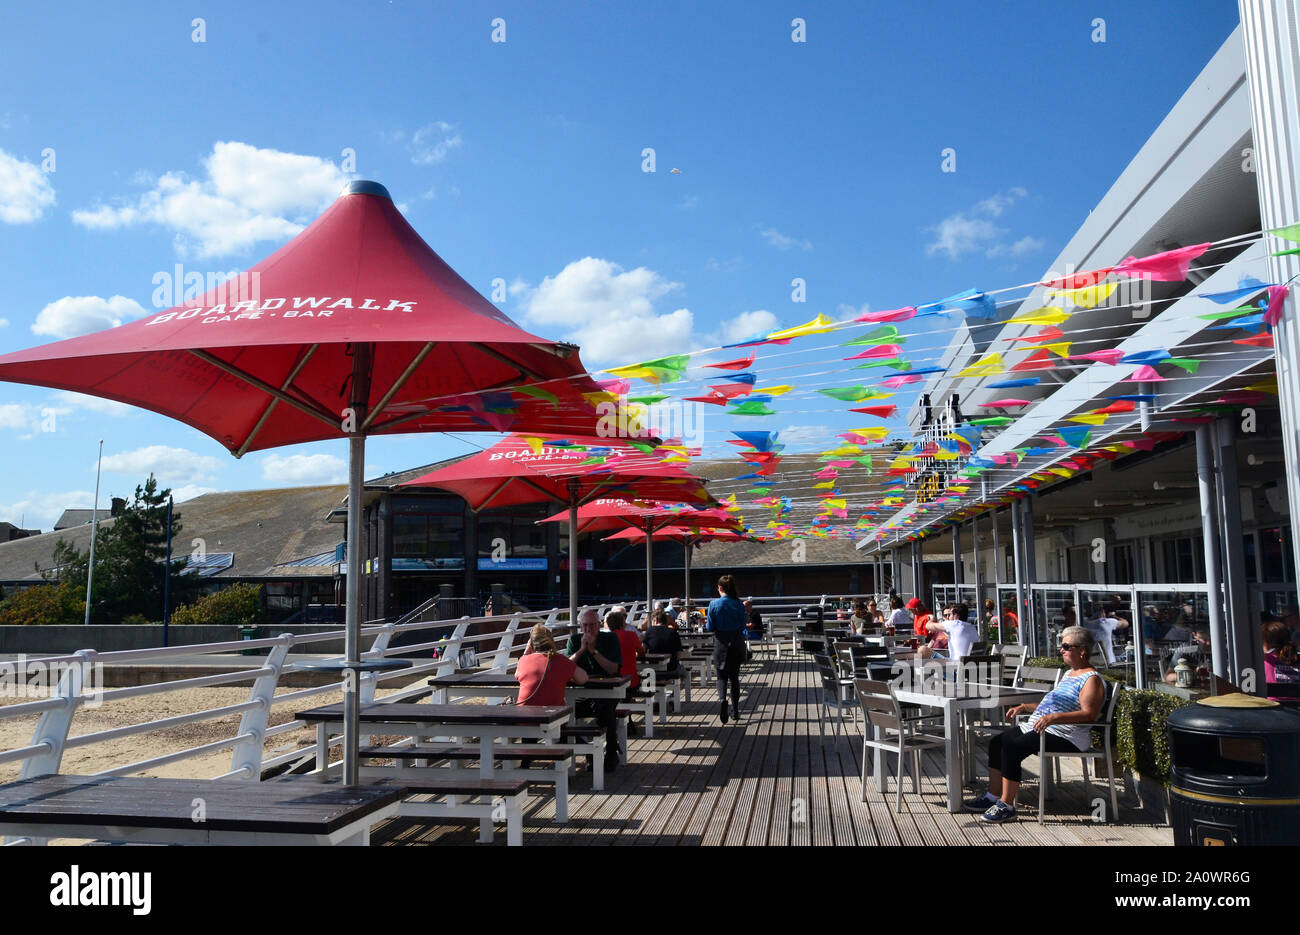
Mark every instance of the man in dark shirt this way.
pixel 663 639
pixel 597 652
pixel 753 622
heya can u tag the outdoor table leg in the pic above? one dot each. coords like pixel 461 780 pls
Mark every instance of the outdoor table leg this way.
pixel 952 754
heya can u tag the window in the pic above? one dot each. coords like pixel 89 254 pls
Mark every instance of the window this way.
pixel 430 529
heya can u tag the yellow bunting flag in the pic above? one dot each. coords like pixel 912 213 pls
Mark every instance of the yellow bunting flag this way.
pixel 1061 349
pixel 819 325
pixel 533 443
pixel 1091 418
pixel 1090 297
pixel 773 390
pixel 987 366
pixel 1047 315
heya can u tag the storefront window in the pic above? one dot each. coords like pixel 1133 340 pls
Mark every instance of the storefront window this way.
pixel 430 530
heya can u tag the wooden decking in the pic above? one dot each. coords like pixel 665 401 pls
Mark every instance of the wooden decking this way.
pixel 772 779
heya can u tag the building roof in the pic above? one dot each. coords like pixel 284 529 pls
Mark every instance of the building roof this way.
pixel 71 518
pixel 264 532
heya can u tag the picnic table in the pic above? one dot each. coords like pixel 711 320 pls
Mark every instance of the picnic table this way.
pixel 504 685
pixel 144 810
pixel 487 723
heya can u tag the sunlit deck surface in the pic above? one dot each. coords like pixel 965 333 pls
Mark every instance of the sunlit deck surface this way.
pixel 773 780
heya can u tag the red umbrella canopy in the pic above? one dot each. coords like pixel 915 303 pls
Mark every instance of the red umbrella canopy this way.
pixel 525 469
pixel 266 360
pixel 598 515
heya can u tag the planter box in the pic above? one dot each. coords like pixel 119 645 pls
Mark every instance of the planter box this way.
pixel 1153 798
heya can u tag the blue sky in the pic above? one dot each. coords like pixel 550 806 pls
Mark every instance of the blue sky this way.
pixel 522 160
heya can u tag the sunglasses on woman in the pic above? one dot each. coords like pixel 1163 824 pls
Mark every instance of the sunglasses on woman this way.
pixel 1066 647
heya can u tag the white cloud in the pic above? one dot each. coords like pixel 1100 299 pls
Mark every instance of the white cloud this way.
pixel 747 325
pixel 782 242
pixel 610 312
pixel 26 417
pixel 39 510
pixel 75 315
pixel 4 322
pixel 25 191
pixel 432 142
pixel 689 203
pixel 972 231
pixel 249 195
pixel 170 465
pixel 190 491
pixel 848 312
pixel 291 470
pixel 108 407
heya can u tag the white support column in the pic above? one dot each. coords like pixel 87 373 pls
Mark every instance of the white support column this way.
pixel 1018 563
pixel 1210 541
pixel 1270 31
pixel 1244 649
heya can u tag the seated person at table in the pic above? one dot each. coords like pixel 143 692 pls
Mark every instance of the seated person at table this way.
pixel 598 652
pixel 663 639
pixel 1061 715
pixel 753 622
pixel 861 618
pixel 629 645
pixel 960 632
pixel 920 617
pixel 1280 657
pixel 1196 652
pixel 543 672
pixel 899 618
pixel 874 614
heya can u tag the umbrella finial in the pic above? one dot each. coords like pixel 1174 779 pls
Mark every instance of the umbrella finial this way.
pixel 363 187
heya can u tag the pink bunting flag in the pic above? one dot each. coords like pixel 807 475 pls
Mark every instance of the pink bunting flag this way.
pixel 1004 403
pixel 854 439
pixel 1105 357
pixel 895 382
pixel 882 351
pixel 1083 280
pixel 1170 266
pixel 1142 444
pixel 896 314
pixel 827 474
pixel 617 387
pixel 1054 439
pixel 1146 374
pixel 1276 296
pixel 840 465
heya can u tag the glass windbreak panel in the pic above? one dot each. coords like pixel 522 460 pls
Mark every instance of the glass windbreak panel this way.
pixel 1218 756
pixel 1053 611
pixel 1108 616
pixel 1120 569
pixel 1174 624
pixel 1004 624
pixel 1248 553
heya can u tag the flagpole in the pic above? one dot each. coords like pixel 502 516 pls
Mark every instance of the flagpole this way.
pixel 94 529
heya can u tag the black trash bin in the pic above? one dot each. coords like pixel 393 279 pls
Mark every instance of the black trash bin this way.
pixel 1236 772
pixel 812 622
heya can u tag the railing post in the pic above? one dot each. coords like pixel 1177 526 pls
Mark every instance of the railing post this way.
pixel 52 728
pixel 501 658
pixel 378 649
pixel 447 661
pixel 247 754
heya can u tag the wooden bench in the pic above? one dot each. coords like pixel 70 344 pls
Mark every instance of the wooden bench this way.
pixel 413 759
pixel 145 810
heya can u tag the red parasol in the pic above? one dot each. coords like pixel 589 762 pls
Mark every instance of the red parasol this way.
pixel 526 469
pixel 644 518
pixel 355 327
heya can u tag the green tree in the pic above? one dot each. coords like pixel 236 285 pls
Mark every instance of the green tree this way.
pixel 44 605
pixel 129 558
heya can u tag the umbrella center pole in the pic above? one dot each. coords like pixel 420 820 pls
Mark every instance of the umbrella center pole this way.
pixel 353 422
pixel 573 554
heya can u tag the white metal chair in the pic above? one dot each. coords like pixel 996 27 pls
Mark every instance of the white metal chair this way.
pixel 835 688
pixel 1107 753
pixel 897 735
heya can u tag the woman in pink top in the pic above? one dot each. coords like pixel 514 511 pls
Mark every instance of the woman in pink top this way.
pixel 1280 658
pixel 543 672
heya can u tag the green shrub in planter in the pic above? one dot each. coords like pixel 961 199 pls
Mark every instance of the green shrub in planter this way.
pixel 1142 732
